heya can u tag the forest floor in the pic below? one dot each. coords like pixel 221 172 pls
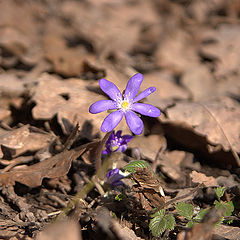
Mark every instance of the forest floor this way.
pixel 53 181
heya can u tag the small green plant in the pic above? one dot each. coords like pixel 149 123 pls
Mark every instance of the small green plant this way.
pixel 186 210
pixel 160 222
pixel 131 167
pixel 226 207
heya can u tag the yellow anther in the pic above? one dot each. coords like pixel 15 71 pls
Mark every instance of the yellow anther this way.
pixel 114 148
pixel 125 105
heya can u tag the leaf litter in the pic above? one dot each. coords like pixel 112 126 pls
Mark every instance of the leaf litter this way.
pixel 50 148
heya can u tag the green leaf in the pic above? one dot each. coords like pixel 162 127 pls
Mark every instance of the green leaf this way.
pixel 159 213
pixel 200 215
pixel 229 208
pixel 189 224
pixel 219 192
pixel 130 167
pixel 120 197
pixel 185 210
pixel 170 221
pixel 157 226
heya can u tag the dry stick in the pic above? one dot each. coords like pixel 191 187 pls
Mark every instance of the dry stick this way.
pixel 71 138
pixel 161 150
pixel 184 196
pixel 219 125
pixel 98 152
pixel 16 161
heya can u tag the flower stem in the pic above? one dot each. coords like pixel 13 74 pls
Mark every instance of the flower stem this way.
pixel 98 152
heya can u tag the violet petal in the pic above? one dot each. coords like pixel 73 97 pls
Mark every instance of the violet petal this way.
pixel 106 151
pixel 112 172
pixel 146 109
pixel 133 86
pixel 118 134
pixel 127 138
pixel 117 183
pixel 111 121
pixel 102 105
pixel 134 122
pixel 110 89
pixel 144 94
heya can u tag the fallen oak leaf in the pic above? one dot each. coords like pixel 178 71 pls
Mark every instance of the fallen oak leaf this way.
pixel 148 188
pixel 53 167
pixel 17 141
pixel 209 127
pixel 202 178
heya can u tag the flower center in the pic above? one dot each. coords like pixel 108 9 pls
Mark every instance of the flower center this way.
pixel 125 105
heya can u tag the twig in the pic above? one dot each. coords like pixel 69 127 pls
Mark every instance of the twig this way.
pixel 184 196
pixel 72 137
pixel 14 162
pixel 98 153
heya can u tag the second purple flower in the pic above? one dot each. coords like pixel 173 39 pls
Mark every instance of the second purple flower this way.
pixel 125 105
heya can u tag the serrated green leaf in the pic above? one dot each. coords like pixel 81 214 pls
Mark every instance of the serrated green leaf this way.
pixel 157 226
pixel 217 204
pixel 189 224
pixel 220 221
pixel 219 192
pixel 185 210
pixel 200 215
pixel 227 206
pixel 130 167
pixel 159 213
pixel 170 221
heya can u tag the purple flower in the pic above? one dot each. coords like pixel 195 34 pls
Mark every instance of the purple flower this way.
pixel 114 177
pixel 125 105
pixel 117 143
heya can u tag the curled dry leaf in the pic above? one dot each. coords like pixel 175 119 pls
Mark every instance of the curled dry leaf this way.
pixel 53 167
pixel 69 100
pixel 202 178
pixel 21 140
pixel 209 127
pixel 148 189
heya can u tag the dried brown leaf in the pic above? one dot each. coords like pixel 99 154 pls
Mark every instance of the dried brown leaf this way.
pixel 202 178
pixel 21 140
pixel 53 167
pixel 227 232
pixel 215 122
pixel 148 188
